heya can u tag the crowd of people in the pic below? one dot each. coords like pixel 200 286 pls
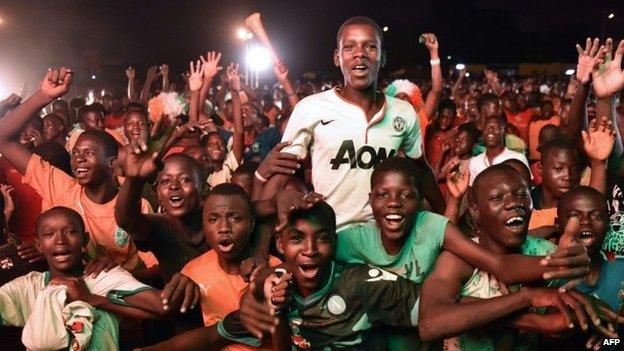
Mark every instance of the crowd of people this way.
pixel 466 213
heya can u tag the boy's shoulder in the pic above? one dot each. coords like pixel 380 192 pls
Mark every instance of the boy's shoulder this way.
pixel 35 279
pixel 115 280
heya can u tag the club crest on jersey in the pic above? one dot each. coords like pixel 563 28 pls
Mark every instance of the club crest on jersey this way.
pixel 398 123
pixel 336 305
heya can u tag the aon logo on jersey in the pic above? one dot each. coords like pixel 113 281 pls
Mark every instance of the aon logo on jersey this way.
pixel 366 157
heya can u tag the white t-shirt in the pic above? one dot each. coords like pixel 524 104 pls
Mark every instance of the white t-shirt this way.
pixel 345 147
pixel 480 162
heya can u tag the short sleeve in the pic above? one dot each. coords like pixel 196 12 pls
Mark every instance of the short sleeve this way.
pixel 412 140
pixel 115 284
pixel 16 298
pixel 298 131
pixel 390 299
pixel 433 226
pixel 48 181
pixel 230 161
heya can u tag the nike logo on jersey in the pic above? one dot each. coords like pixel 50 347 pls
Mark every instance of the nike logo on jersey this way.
pixel 326 122
pixel 357 159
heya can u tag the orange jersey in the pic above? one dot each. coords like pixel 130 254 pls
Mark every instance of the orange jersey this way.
pixel 56 188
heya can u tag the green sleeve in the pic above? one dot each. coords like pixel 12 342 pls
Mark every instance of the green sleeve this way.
pixel 346 242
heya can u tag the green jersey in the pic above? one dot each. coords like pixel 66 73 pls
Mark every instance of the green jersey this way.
pixel 361 243
pixel 485 286
pixel 340 315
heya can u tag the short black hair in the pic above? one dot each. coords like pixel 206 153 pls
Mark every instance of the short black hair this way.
pixel 581 190
pixel 105 140
pixel 471 129
pixel 500 117
pixel 82 111
pixel 204 140
pixel 231 189
pixel 402 165
pixel 77 102
pixel 55 154
pixel 133 105
pixel 447 104
pixel 37 121
pixel 139 111
pixel 60 209
pixel 525 172
pixel 321 211
pixel 360 20
pixel 54 116
pixel 486 98
pixel 100 107
pixel 195 167
pixel 501 167
pixel 559 143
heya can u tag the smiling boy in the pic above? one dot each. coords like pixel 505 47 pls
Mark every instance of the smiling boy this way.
pixel 93 191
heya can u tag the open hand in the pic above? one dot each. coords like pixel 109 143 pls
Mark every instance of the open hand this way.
pixel 29 253
pixel 289 200
pixel 278 162
pixel 196 78
pixel 9 205
pixel 99 265
pixel 211 64
pixel 609 78
pixel 144 159
pixel 589 59
pixel 152 73
pixel 57 82
pixel 164 69
pixel 599 139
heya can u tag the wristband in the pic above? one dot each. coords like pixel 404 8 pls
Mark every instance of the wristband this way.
pixel 434 62
pixel 260 178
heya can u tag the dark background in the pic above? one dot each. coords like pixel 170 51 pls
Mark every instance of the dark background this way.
pixel 102 37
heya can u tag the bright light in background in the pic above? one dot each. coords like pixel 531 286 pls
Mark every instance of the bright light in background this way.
pixel 385 28
pixel 460 66
pixel 93 76
pixel 241 33
pixel 449 57
pixel 90 98
pixel 467 75
pixel 611 15
pixel 569 72
pixel 249 35
pixel 258 58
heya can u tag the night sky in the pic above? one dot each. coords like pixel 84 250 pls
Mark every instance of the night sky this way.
pixel 113 34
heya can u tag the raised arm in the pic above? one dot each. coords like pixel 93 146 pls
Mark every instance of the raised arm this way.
pixel 234 83
pixel 598 141
pixel 196 80
pixel 211 68
pixel 152 73
pixel 164 71
pixel 608 80
pixel 281 73
pixel 588 60
pixel 493 81
pixel 131 74
pixel 431 42
pixel 456 91
pixel 55 84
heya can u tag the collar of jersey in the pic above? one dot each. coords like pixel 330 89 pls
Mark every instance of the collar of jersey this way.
pixel 305 302
pixel 378 117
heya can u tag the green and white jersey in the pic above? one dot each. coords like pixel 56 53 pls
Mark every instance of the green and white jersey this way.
pixel 339 316
pixel 485 286
pixel 361 243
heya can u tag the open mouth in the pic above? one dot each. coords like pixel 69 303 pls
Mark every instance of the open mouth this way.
pixel 308 270
pixel 176 201
pixel 515 223
pixel 225 245
pixel 587 237
pixel 360 68
pixel 62 256
pixel 81 172
pixel 394 219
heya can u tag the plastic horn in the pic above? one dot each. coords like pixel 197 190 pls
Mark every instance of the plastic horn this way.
pixel 255 23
